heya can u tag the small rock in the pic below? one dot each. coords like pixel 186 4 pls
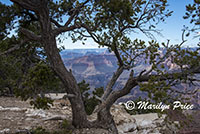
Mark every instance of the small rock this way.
pixel 6 130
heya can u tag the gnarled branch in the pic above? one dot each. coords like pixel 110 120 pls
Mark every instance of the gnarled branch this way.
pixel 112 82
pixel 130 84
pixel 114 95
pixel 32 5
pixel 30 35
pixel 55 22
pixel 66 26
pixel 169 76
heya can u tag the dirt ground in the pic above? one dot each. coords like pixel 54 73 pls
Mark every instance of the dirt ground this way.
pixel 14 117
pixel 18 116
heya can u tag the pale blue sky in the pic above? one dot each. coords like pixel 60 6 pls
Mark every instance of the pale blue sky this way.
pixel 171 28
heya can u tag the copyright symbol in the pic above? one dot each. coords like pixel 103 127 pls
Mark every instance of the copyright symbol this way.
pixel 130 105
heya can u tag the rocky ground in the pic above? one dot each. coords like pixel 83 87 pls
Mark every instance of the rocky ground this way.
pixel 18 116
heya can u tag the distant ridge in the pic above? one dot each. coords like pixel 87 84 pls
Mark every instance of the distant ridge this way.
pixel 96 66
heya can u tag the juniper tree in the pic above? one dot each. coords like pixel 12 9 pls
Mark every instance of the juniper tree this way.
pixel 109 23
pixel 20 58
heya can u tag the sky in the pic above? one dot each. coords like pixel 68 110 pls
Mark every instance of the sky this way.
pixel 171 28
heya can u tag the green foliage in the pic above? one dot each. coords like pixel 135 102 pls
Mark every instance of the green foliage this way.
pixel 10 69
pixel 24 70
pixel 90 100
pixel 65 124
pixel 193 14
pixel 186 58
pixel 39 80
pixel 110 24
pixel 98 91
pixel 65 129
pixel 41 77
pixel 192 11
pixel 7 17
pixel 83 87
pixel 130 50
pixel 157 90
pixel 41 102
pixel 8 76
pixel 112 20
pixel 8 64
pixel 39 130
pixel 16 58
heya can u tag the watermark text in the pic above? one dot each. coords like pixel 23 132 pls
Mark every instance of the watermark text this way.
pixel 130 105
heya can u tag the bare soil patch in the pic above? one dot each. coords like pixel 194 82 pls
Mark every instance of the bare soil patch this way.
pixel 17 116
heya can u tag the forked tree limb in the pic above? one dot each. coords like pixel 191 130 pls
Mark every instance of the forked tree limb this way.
pixel 55 22
pixel 75 12
pixel 65 29
pixel 67 26
pixel 114 95
pixel 134 81
pixel 130 84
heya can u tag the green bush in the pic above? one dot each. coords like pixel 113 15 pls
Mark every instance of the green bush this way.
pixel 39 130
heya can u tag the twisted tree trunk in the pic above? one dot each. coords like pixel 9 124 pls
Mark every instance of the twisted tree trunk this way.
pixel 105 121
pixel 71 87
pixel 48 39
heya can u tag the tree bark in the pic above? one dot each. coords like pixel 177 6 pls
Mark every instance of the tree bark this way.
pixel 78 110
pixel 105 121
pixel 104 117
pixel 48 40
pixel 50 46
pixel 111 83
